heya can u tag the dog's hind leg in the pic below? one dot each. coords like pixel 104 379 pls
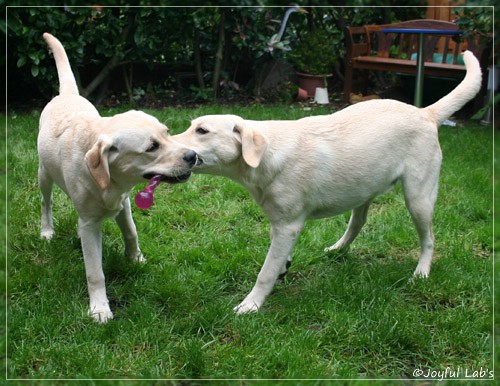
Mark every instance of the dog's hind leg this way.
pixel 420 198
pixel 126 224
pixel 45 182
pixel 356 222
pixel 282 243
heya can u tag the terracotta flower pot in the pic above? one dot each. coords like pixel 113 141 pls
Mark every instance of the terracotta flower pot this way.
pixel 310 82
pixel 301 94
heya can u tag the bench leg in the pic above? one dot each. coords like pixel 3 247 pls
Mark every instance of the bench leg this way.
pixel 347 84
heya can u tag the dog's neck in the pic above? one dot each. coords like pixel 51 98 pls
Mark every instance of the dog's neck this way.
pixel 111 199
pixel 255 180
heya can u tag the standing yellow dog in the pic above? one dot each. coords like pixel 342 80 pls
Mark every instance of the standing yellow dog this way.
pixel 326 165
pixel 96 161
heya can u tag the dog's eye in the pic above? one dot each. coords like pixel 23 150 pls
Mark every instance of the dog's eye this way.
pixel 153 147
pixel 201 130
pixel 113 148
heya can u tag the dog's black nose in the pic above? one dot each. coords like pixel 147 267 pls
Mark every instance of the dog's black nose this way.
pixel 190 157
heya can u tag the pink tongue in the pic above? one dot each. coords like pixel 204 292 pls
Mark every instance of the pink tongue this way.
pixel 144 199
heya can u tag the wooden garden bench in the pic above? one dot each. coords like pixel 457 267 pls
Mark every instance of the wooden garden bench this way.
pixel 369 48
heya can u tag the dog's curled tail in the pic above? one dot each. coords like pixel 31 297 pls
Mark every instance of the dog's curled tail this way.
pixel 67 82
pixel 463 93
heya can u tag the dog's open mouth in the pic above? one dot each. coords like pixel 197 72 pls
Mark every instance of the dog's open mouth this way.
pixel 175 179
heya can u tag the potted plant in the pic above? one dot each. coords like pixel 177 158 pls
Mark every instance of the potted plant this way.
pixel 313 57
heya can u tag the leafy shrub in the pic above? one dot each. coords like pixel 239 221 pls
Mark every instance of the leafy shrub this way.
pixel 315 53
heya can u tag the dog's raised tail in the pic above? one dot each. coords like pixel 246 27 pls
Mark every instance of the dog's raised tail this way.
pixel 67 82
pixel 463 93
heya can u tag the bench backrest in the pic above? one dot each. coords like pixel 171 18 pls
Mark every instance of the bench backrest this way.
pixel 370 40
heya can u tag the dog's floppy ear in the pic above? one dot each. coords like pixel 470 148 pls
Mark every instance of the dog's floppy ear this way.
pixel 97 161
pixel 253 144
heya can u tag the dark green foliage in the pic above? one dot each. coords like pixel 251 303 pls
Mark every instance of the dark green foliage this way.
pixel 143 49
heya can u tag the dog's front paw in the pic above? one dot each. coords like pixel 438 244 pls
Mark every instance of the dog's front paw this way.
pixel 339 247
pixel 47 234
pixel 246 306
pixel 421 272
pixel 137 257
pixel 101 315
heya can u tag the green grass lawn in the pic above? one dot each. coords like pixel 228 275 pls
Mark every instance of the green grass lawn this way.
pixel 352 316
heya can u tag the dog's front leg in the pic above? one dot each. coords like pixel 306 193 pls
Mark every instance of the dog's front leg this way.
pixel 282 242
pixel 129 232
pixel 91 238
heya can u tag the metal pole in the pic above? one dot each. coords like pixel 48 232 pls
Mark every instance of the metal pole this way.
pixel 419 82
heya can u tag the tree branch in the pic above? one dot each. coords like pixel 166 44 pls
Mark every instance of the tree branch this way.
pixel 197 59
pixel 219 54
pixel 113 62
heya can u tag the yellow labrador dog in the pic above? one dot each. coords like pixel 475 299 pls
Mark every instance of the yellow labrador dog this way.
pixel 96 161
pixel 325 165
